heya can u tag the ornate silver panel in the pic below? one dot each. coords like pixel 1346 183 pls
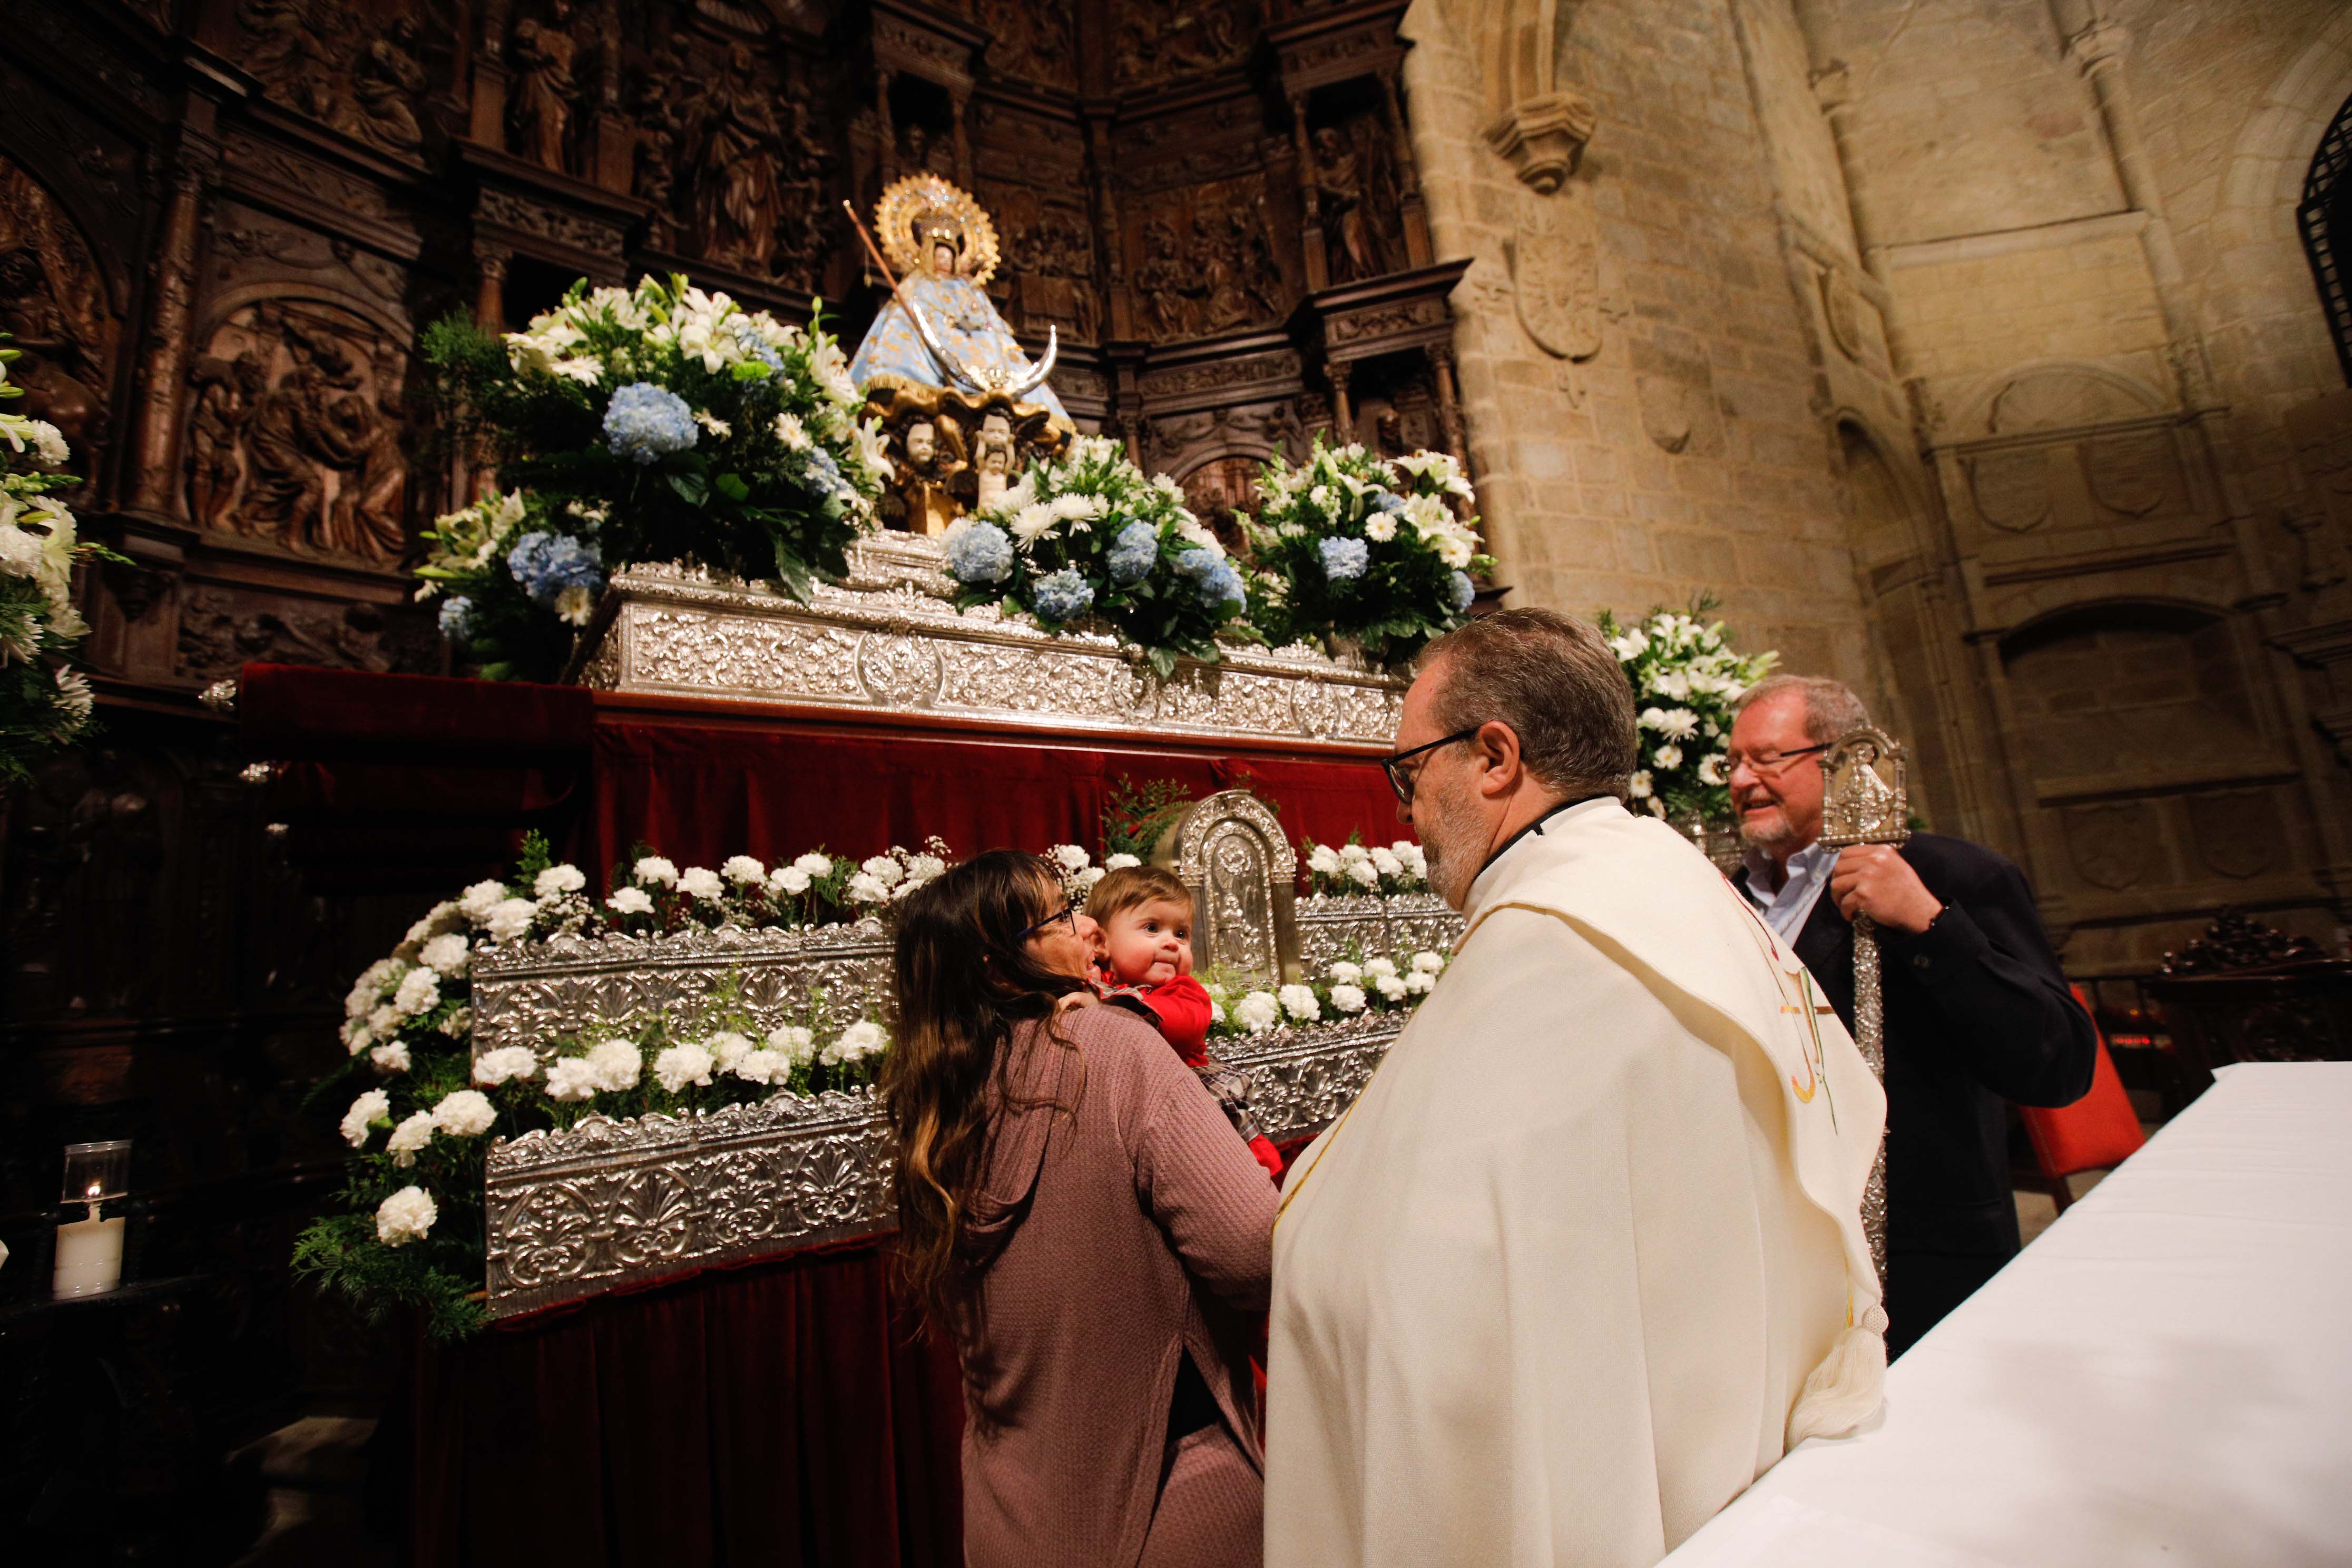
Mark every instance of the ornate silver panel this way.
pixel 1331 925
pixel 889 641
pixel 528 994
pixel 1229 849
pixel 1301 1080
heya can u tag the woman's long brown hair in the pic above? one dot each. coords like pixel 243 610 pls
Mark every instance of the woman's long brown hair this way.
pixel 964 979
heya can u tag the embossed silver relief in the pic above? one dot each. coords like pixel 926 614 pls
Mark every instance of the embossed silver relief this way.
pixel 891 640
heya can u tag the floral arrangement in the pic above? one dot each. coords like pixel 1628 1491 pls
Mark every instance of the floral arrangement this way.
pixel 410 1231
pixel 1087 535
pixel 1685 678
pixel 1350 545
pixel 654 424
pixel 1351 867
pixel 1347 988
pixel 44 701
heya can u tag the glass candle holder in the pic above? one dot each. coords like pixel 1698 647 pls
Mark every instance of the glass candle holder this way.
pixel 90 1250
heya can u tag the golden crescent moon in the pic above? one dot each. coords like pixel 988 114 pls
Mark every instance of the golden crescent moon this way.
pixel 907 199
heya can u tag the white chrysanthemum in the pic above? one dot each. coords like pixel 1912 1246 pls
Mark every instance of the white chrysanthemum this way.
pixel 1420 984
pixel 366 1110
pixel 476 901
pixel 558 880
pixel 791 431
pixel 1363 873
pixel 1299 1002
pixel 1380 528
pixel 446 955
pixel 1639 785
pixel 794 1043
pixel 494 1067
pixel 390 1056
pixel 1710 768
pixel 404 1216
pixel 700 882
pixel 790 882
pixel 885 870
pixel 630 901
pixel 1674 685
pixel 1033 520
pixel 1348 998
pixel 1428 963
pixel 743 869
pixel 510 920
pixel 865 888
pixel 616 1063
pixel 1386 863
pixel 654 870
pixel 465 1113
pixel 1668 757
pixel 713 423
pixel 419 993
pixel 813 865
pixel 414 1131
pixel 679 1066
pixel 574 604
pixel 1671 723
pixel 1323 860
pixel 1392 988
pixel 1257 1012
pixel 1344 973
pixel 571 1078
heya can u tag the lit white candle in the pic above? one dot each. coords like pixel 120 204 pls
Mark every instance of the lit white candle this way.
pixel 89 1256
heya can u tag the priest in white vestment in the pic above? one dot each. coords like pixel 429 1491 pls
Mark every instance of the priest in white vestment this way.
pixel 1585 1257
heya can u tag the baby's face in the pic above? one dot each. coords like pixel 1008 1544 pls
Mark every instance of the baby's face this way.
pixel 1150 943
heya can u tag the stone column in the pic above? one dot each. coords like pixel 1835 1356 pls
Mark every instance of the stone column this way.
pixel 170 310
pixel 1449 403
pixel 1310 225
pixel 1417 249
pixel 491 293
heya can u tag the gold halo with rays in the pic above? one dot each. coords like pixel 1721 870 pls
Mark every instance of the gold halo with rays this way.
pixel 913 196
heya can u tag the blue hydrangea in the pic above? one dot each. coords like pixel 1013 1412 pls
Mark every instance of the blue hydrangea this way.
pixel 1462 590
pixel 1134 553
pixel 1199 563
pixel 646 422
pixel 981 554
pixel 1344 558
pixel 546 563
pixel 1387 501
pixel 1223 587
pixel 458 618
pixel 754 346
pixel 819 474
pixel 1063 596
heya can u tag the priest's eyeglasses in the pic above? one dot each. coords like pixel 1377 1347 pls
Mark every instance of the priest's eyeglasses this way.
pixel 1401 778
pixel 1764 763
pixel 1067 914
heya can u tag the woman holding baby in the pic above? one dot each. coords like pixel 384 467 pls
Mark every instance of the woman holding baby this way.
pixel 1077 1210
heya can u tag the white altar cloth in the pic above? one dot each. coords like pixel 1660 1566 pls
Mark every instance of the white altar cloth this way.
pixel 2165 1376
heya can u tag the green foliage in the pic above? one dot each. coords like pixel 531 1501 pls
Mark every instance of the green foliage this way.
pixel 1685 676
pixel 1138 816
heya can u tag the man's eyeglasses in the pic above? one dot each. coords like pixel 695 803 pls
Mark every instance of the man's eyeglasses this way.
pixel 1067 914
pixel 1401 778
pixel 1764 763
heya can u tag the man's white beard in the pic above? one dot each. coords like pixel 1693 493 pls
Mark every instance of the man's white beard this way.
pixel 1440 846
pixel 1780 836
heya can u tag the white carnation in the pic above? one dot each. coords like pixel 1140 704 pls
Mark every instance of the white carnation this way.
pixel 447 954
pixel 654 868
pixel 1348 998
pixel 1068 857
pixel 404 1216
pixel 814 866
pixel 558 880
pixel 630 901
pixel 357 1036
pixel 1323 860
pixel 1299 1002
pixel 860 1040
pixel 510 920
pixel 922 869
pixel 1121 862
pixel 1386 863
pixel 494 1068
pixel 458 1024
pixel 698 882
pixel 743 869
pixel 431 923
pixel 571 1078
pixel 1257 1012
pixel 391 1058
pixel 1344 973
pixel 414 1132
pixel 1420 984
pixel 367 989
pixel 1416 860
pixel 476 901
pixel 794 1043
pixel 790 882
pixel 359 1120
pixel 465 1113
pixel 1363 873
pixel 885 870
pixel 1390 987
pixel 865 889
pixel 1428 963
pixel 1354 855
pixel 681 1065
pixel 384 1021
pixel 616 1063
pixel 1086 879
pixel 726 1047
pixel 419 993
pixel 1379 966
pixel 762 1067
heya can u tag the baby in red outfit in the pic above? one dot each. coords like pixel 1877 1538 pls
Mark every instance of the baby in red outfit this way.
pixel 1145 916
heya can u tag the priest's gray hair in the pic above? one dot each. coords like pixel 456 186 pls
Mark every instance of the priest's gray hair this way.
pixel 1556 683
pixel 1831 709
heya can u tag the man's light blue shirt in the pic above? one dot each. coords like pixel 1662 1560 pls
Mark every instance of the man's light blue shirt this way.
pixel 1790 901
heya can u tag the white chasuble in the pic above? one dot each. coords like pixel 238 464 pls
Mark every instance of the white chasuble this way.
pixel 1586 1255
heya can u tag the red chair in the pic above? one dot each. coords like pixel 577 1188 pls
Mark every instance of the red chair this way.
pixel 2097 1133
